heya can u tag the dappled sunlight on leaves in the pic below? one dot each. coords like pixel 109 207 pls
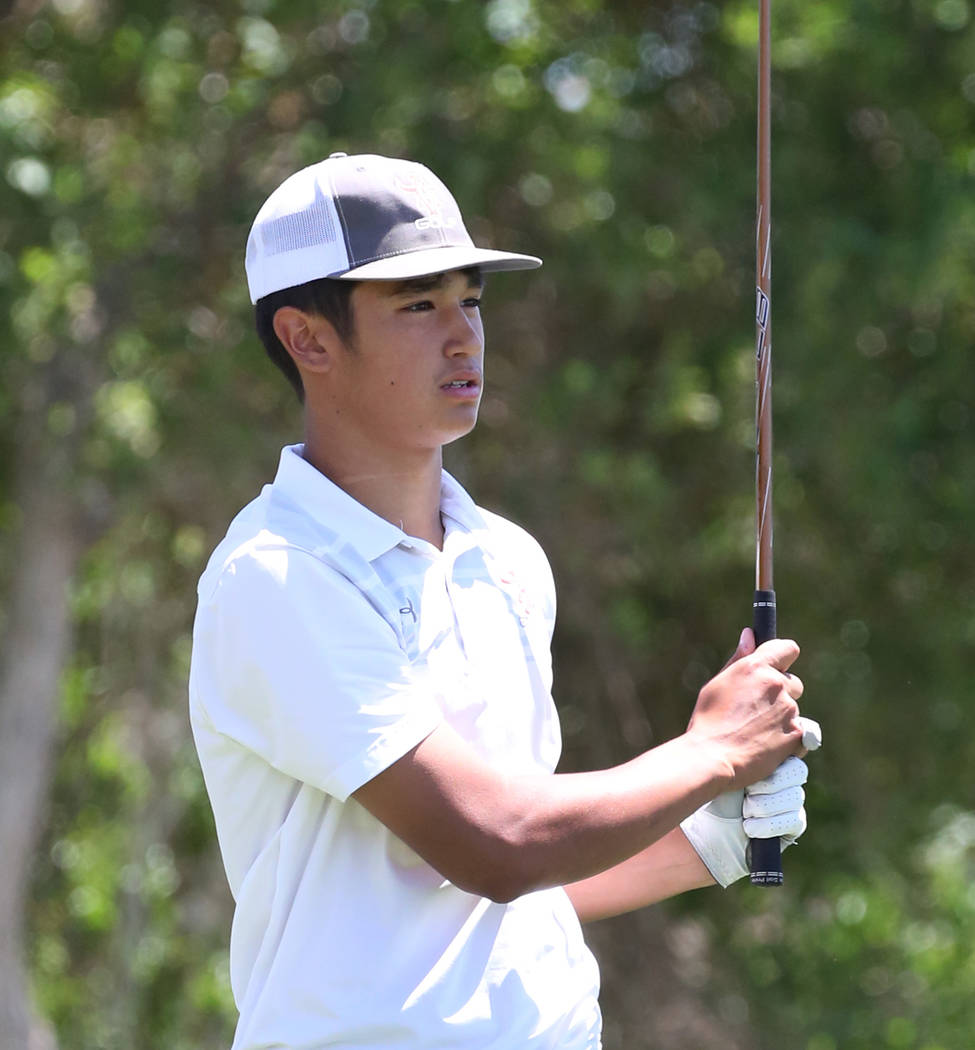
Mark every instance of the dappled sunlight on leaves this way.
pixel 616 140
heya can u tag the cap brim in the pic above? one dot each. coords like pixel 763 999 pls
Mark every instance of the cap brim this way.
pixel 437 260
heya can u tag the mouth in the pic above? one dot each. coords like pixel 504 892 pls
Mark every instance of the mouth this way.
pixel 468 383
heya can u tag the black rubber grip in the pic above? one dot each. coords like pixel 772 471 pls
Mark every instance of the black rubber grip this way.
pixel 765 855
pixel 763 616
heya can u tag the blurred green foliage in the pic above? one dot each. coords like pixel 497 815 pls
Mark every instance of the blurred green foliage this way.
pixel 615 139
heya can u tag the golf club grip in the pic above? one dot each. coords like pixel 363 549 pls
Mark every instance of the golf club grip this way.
pixel 765 855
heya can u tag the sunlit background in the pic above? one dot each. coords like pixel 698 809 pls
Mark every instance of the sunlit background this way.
pixel 616 139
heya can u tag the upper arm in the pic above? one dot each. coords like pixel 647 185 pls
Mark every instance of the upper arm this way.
pixel 291 663
pixel 456 811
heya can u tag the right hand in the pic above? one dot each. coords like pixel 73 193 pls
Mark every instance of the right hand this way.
pixel 748 712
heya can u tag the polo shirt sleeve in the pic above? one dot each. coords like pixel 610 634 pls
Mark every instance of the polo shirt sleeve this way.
pixel 294 664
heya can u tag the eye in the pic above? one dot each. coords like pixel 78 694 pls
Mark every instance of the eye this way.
pixel 474 301
pixel 415 308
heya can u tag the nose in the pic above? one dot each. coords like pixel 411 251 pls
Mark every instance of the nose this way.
pixel 465 335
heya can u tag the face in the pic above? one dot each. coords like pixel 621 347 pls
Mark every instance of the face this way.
pixel 413 376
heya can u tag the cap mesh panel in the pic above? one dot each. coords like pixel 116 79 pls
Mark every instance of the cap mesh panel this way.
pixel 293 232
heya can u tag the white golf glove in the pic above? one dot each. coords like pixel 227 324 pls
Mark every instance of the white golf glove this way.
pixel 771 808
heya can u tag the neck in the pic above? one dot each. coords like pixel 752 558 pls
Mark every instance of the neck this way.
pixel 403 488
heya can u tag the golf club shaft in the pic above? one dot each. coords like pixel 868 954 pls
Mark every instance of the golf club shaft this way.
pixel 765 854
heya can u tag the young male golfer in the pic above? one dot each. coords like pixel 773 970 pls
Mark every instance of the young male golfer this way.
pixel 370 685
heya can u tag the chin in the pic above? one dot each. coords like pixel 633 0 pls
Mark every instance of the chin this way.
pixel 456 433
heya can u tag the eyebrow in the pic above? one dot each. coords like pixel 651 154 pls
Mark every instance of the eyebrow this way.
pixel 475 279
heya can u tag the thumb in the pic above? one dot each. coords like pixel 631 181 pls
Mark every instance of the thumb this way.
pixel 746 645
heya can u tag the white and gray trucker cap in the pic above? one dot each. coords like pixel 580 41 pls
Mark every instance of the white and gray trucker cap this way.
pixel 362 218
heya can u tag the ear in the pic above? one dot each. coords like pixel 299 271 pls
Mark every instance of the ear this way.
pixel 311 340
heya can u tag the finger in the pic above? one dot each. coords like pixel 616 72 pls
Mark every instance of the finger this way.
pixel 793 685
pixel 746 645
pixel 793 772
pixel 812 734
pixel 780 653
pixel 788 801
pixel 789 825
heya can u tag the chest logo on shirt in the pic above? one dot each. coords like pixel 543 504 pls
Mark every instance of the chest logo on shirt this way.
pixel 521 599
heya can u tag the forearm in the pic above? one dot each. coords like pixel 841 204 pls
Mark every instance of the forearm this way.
pixel 571 827
pixel 502 836
pixel 667 867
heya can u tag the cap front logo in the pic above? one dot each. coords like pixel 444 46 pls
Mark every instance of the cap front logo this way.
pixel 434 222
pixel 434 219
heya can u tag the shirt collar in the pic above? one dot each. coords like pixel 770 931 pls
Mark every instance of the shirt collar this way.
pixel 324 502
pixel 456 504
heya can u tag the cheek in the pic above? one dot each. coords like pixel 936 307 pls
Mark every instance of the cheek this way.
pixel 397 393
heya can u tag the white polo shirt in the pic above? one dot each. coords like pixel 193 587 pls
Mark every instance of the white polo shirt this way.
pixel 327 644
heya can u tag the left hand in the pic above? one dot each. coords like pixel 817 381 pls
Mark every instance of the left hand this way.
pixel 773 807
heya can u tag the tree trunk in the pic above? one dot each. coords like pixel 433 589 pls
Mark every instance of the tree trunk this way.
pixel 661 990
pixel 35 645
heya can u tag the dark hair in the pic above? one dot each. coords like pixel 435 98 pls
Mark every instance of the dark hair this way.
pixel 326 297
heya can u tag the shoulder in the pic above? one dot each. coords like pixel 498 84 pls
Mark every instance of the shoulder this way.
pixel 513 539
pixel 510 544
pixel 268 549
pixel 268 601
pixel 521 556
